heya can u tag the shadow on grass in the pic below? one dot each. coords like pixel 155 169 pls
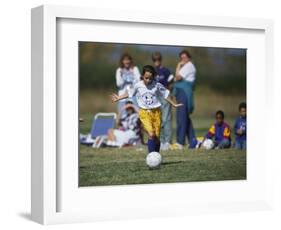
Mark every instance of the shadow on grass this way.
pixel 171 162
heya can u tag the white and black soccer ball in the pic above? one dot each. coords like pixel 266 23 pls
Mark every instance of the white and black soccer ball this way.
pixel 153 160
pixel 208 144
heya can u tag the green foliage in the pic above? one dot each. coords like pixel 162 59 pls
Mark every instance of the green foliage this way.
pixel 221 69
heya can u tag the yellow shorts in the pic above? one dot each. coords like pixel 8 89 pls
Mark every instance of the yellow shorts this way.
pixel 151 120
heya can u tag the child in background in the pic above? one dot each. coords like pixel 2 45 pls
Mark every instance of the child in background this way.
pixel 240 128
pixel 129 128
pixel 147 92
pixel 164 77
pixel 220 131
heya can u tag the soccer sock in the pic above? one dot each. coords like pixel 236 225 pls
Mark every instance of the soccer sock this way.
pixel 151 144
pixel 157 146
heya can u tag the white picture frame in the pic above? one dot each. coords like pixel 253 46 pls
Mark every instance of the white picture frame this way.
pixel 46 182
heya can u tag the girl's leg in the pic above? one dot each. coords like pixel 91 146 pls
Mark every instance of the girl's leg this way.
pixel 156 123
pixel 147 122
pixel 110 135
pixel 153 143
pixel 157 145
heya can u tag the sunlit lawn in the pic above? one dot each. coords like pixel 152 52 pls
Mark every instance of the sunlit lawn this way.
pixel 114 166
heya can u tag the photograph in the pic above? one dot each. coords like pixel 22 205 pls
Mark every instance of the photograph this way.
pixel 151 113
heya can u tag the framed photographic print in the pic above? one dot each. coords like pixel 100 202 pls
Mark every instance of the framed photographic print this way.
pixel 137 114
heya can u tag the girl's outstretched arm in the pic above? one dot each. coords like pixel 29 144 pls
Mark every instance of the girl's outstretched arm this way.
pixel 168 99
pixel 115 97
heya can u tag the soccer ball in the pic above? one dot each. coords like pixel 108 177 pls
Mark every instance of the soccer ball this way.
pixel 208 144
pixel 153 160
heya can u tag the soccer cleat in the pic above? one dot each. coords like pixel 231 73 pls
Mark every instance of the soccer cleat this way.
pixel 176 146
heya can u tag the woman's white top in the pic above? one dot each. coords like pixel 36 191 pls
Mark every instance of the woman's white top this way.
pixel 188 72
pixel 126 79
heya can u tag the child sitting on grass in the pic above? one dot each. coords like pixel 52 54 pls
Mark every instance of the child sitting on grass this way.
pixel 240 128
pixel 220 131
pixel 129 128
pixel 147 92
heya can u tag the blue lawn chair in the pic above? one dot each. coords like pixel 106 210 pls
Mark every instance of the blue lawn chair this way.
pixel 102 123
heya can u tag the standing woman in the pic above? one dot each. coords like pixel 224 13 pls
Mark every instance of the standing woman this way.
pixel 127 75
pixel 183 91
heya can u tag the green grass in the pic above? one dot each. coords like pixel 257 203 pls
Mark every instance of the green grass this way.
pixel 113 166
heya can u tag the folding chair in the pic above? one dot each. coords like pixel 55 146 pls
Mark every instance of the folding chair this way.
pixel 101 124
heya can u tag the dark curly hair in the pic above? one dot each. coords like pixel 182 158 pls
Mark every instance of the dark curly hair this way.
pixel 186 52
pixel 148 68
pixel 220 112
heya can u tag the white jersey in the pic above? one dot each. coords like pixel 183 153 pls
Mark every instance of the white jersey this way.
pixel 148 96
pixel 188 72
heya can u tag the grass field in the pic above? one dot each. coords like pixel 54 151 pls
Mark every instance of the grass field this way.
pixel 114 166
pixel 110 166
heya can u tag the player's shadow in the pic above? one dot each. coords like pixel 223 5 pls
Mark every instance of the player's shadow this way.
pixel 171 162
